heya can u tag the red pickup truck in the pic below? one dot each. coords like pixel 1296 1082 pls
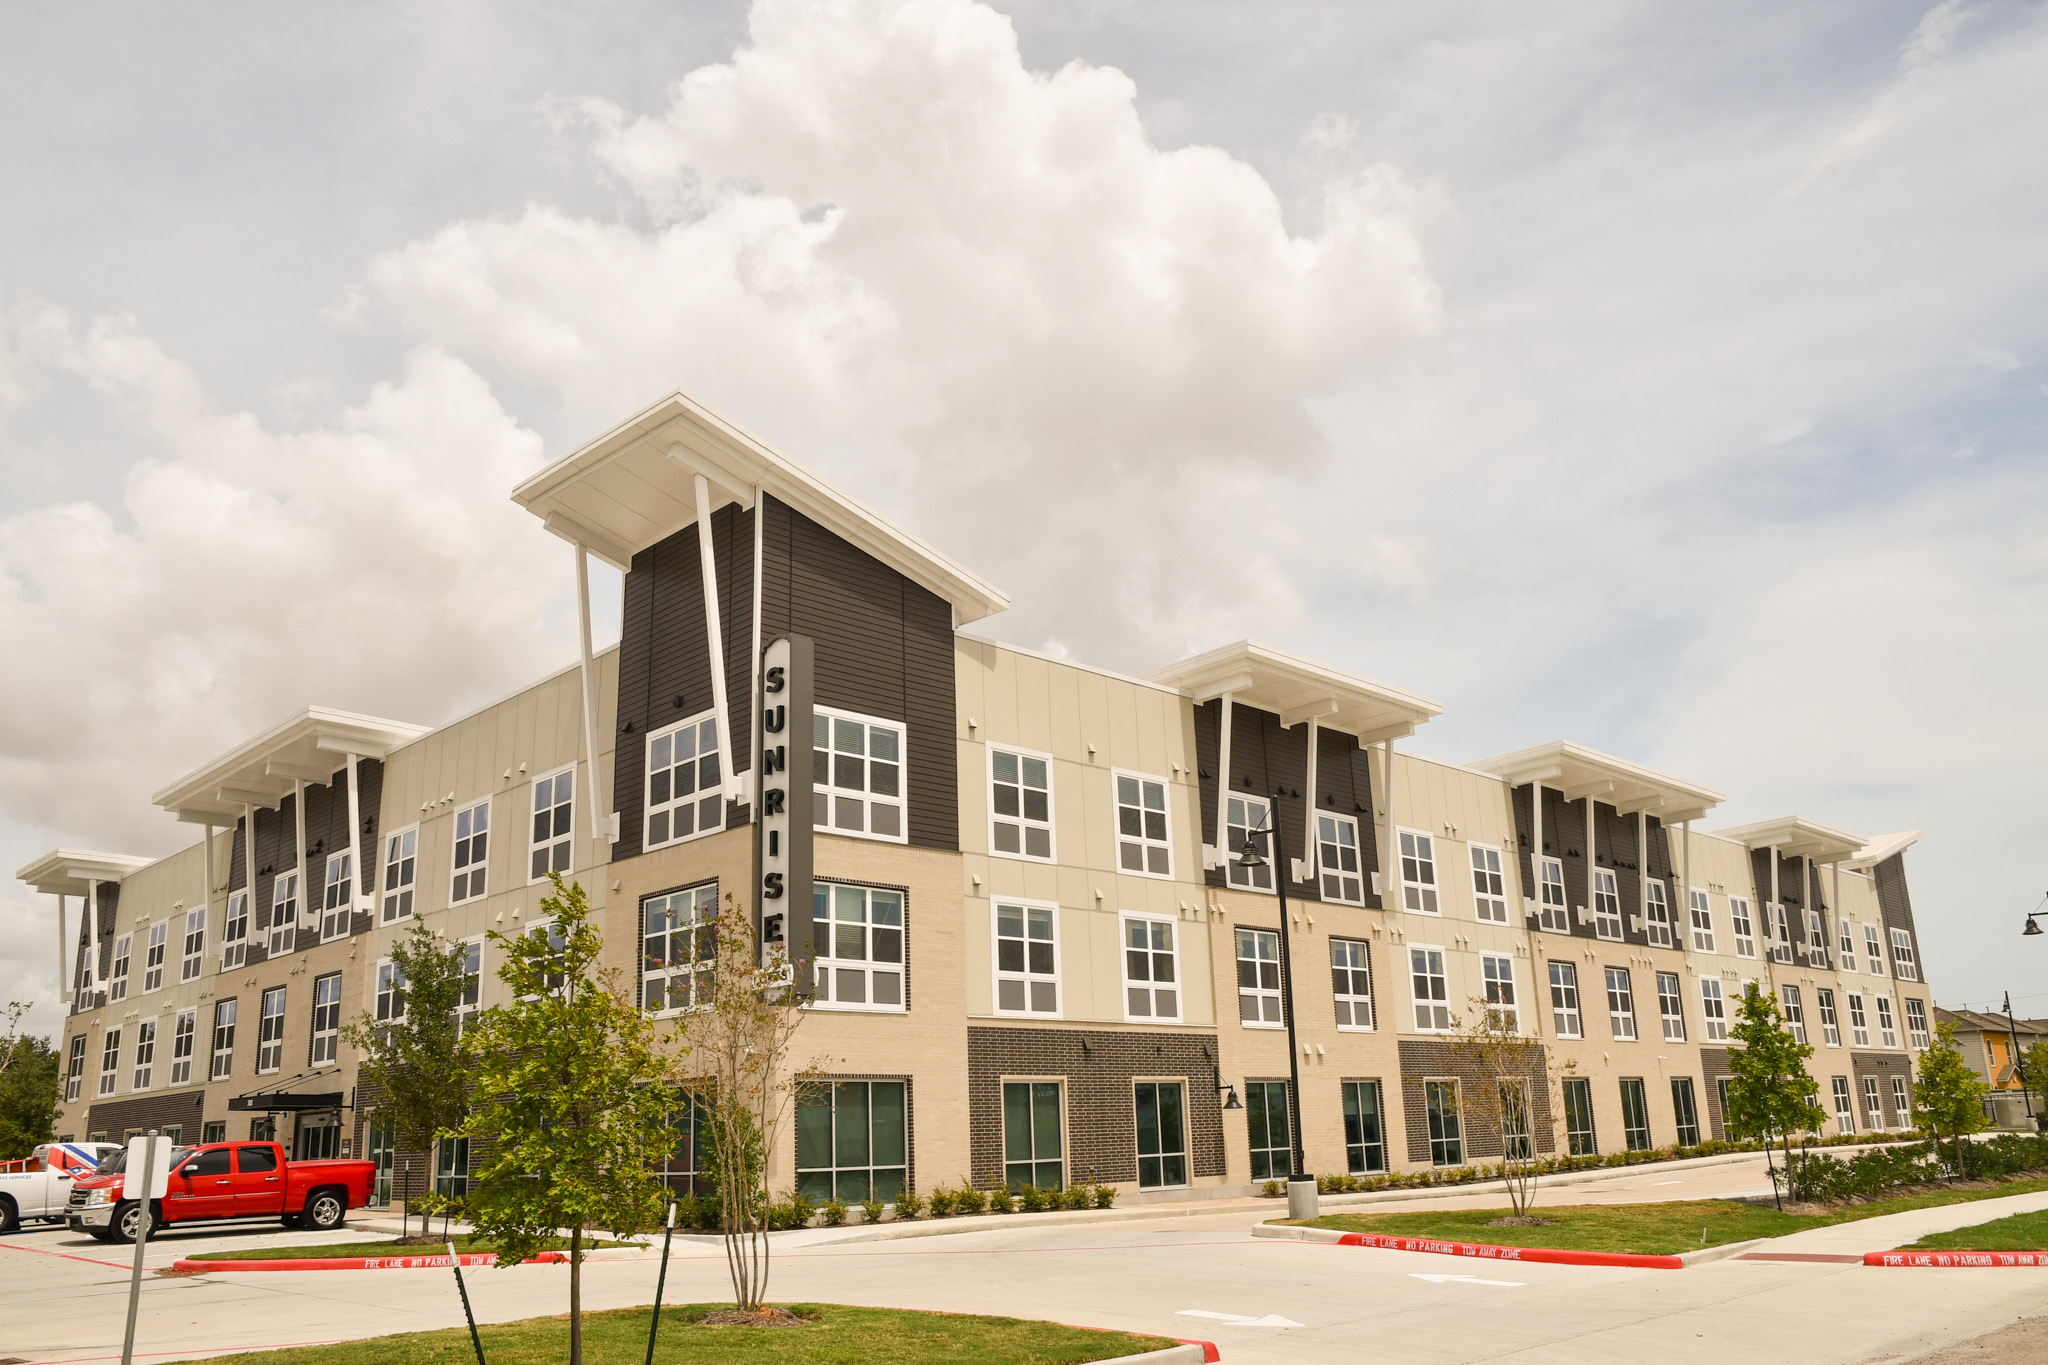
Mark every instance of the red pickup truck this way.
pixel 223 1180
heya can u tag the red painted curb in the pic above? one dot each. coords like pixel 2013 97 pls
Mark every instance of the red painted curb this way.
pixel 362 1262
pixel 1956 1258
pixel 1484 1252
pixel 1209 1352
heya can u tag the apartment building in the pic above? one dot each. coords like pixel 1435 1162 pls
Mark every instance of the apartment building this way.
pixel 1035 950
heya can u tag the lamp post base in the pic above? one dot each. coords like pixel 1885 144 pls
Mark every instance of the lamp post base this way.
pixel 1301 1198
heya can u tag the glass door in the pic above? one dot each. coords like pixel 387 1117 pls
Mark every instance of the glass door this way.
pixel 1162 1136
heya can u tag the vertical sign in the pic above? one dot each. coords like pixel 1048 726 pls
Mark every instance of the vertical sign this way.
pixel 782 744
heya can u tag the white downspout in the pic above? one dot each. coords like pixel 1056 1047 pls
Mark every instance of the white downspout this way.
pixel 66 987
pixel 729 779
pixel 1223 786
pixel 595 800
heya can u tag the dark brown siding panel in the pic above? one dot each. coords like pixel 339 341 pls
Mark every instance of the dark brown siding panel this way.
pixel 1714 1063
pixel 733 539
pixel 1896 906
pixel 179 1109
pixel 1425 1059
pixel 1208 732
pixel 932 699
pixel 1884 1066
pixel 636 679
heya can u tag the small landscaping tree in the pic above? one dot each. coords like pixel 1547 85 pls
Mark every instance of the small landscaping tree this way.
pixel 412 1057
pixel 1771 1095
pixel 1948 1097
pixel 1501 1069
pixel 2034 1061
pixel 573 1099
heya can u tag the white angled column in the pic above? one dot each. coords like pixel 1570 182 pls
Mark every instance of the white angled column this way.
pixel 355 838
pixel 593 800
pixel 1223 783
pixel 715 630
pixel 64 984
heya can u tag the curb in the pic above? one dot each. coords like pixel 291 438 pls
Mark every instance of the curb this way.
pixel 1187 1353
pixel 441 1262
pixel 1477 1250
pixel 1722 1252
pixel 1953 1259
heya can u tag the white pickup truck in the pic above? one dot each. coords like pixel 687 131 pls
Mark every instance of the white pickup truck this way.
pixel 39 1185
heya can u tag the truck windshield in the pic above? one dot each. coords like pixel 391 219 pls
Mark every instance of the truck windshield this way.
pixel 117 1162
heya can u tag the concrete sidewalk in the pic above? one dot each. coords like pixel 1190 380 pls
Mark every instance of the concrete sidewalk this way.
pixel 1897 1229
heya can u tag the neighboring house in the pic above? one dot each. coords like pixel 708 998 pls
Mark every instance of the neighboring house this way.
pixel 1036 954
pixel 1986 1041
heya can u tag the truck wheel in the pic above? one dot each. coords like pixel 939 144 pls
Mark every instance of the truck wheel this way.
pixel 292 1220
pixel 128 1222
pixel 325 1210
pixel 10 1217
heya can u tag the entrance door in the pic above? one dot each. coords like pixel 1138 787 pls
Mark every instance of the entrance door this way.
pixel 318 1137
pixel 259 1185
pixel 1162 1137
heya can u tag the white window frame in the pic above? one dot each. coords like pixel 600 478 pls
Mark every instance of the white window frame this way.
pixel 155 956
pixel 1916 1024
pixel 557 844
pixel 1778 929
pixel 266 1046
pixel 1497 979
pixel 284 891
pixel 74 1069
pixel 1030 914
pixel 1859 1020
pixel 1150 985
pixel 1432 1002
pixel 1262 999
pixel 826 796
pixel 1238 823
pixel 658 814
pixel 1702 911
pixel 1606 905
pixel 1873 1105
pixel 1657 914
pixel 192 961
pixel 220 1064
pixel 110 1062
pixel 1845 931
pixel 1887 1022
pixel 117 978
pixel 234 931
pixel 1335 882
pixel 1671 1006
pixel 695 929
pixel 1873 950
pixel 1902 1101
pixel 337 898
pixel 326 1032
pixel 1713 1010
pixel 1345 992
pixel 1489 884
pixel 184 1044
pixel 1905 963
pixel 1415 852
pixel 145 1056
pixel 389 1003
pixel 1567 1011
pixel 400 885
pixel 1621 1005
pixel 872 940
pixel 1845 1107
pixel 1143 843
pixel 469 867
pixel 1024 824
pixel 1742 926
pixel 1795 1010
pixel 1816 937
pixel 1830 1018
pixel 471 1004
pixel 1554 915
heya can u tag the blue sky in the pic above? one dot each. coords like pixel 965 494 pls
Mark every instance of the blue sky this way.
pixel 1663 378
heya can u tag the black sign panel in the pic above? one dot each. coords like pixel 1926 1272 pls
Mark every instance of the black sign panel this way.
pixel 783 813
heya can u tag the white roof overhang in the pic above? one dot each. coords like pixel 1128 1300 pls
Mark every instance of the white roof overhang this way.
pixel 1296 689
pixel 1881 848
pixel 635 486
pixel 310 747
pixel 66 871
pixel 1797 837
pixel 1628 787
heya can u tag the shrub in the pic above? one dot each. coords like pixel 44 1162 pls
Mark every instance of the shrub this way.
pixel 1033 1200
pixel 970 1200
pixel 1105 1195
pixel 943 1201
pixel 871 1210
pixel 1001 1201
pixel 1080 1195
pixel 802 1208
pixel 1271 1189
pixel 909 1204
pixel 835 1212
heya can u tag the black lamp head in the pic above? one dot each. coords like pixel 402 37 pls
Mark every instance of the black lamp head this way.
pixel 1248 856
pixel 2032 928
pixel 1230 1099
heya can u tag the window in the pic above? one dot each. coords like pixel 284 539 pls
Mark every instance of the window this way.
pixel 1142 844
pixel 857 940
pixel 1514 1119
pixel 261 1130
pixel 270 1033
pixel 1887 1028
pixel 1713 1010
pixel 1859 1028
pixel 1551 912
pixel 1498 971
pixel 336 903
pixel 117 980
pixel 472 955
pixel 1258 978
pixel 390 993
pixel 1564 1000
pixel 1686 1110
pixel 1671 1007
pixel 1722 1088
pixel 1431 991
pixel 859 775
pixel 676 949
pixel 1902 1107
pixel 451 1168
pixel 1845 1115
pixel 284 913
pixel 1795 1013
pixel 1337 867
pixel 1905 966
pixel 1916 1023
pixel 1580 1139
pixel 553 981
pixel 1151 982
pixel 1351 982
pixel 1265 1112
pixel 1702 922
pixel 852 1141
pixel 401 867
pixel 1489 892
pixel 1606 906
pixel 183 1032
pixel 1418 873
pixel 1446 1146
pixel 215 1130
pixel 1871 951
pixel 685 782
pixel 153 957
pixel 326 1018
pixel 110 1060
pixel 1738 919
pixel 1365 1141
pixel 472 853
pixel 1635 1115
pixel 195 944
pixel 1621 1004
pixel 74 1069
pixel 1816 937
pixel 1033 1135
pixel 223 1040
pixel 1830 1025
pixel 1873 1107
pixel 1779 931
pixel 1241 816
pixel 1657 916
pixel 234 932
pixel 1020 805
pixel 145 1054
pixel 554 821
pixel 1027 959
pixel 1162 1135
pixel 1845 942
pixel 678 1167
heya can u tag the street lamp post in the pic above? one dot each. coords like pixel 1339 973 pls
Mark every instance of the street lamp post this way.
pixel 1301 1186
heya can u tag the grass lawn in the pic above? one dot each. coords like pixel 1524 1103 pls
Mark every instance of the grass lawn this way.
pixel 1646 1229
pixel 835 1336
pixel 300 1251
pixel 2021 1232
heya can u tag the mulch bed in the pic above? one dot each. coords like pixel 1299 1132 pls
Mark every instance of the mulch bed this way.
pixel 767 1317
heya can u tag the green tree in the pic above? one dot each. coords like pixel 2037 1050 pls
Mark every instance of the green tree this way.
pixel 1501 1070
pixel 572 1098
pixel 1771 1095
pixel 412 1060
pixel 28 1086
pixel 2034 1061
pixel 1948 1097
